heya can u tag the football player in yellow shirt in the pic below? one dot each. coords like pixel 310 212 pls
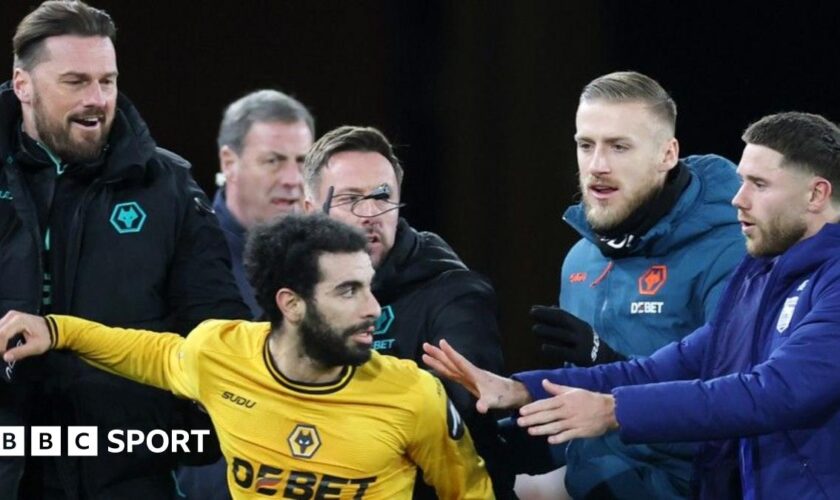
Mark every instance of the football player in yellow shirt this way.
pixel 302 406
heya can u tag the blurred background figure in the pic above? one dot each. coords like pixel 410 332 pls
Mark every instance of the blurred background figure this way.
pixel 262 141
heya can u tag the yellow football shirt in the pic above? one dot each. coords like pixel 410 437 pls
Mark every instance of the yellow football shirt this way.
pixel 360 437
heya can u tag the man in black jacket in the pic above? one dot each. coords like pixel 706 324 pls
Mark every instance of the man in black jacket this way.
pixel 426 292
pixel 263 139
pixel 98 222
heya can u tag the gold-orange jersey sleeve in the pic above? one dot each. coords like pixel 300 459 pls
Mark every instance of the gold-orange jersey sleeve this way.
pixel 164 360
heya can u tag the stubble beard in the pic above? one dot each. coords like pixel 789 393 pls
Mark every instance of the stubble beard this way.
pixel 776 236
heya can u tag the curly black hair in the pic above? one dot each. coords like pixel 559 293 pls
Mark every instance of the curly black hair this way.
pixel 284 254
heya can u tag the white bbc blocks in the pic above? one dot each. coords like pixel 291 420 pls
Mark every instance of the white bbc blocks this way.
pixel 44 441
pixel 47 441
pixel 82 441
pixel 11 441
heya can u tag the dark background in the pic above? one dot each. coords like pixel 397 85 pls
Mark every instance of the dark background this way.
pixel 478 95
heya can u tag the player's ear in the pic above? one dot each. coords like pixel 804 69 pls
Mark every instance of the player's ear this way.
pixel 291 305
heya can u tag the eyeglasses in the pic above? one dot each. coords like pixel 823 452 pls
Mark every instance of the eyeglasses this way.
pixel 373 204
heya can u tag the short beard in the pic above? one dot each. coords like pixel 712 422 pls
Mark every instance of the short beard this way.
pixel 779 236
pixel 326 346
pixel 59 141
pixel 605 220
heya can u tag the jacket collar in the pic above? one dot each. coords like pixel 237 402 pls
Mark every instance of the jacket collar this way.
pixel 703 205
pixel 415 258
pixel 226 219
pixel 801 259
pixel 129 147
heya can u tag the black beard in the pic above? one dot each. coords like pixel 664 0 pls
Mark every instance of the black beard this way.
pixel 58 140
pixel 326 346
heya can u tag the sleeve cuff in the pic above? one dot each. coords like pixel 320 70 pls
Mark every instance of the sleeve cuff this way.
pixel 52 326
pixel 533 382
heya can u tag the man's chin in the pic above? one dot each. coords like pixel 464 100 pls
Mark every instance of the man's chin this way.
pixel 279 212
pixel 81 151
pixel 757 249
pixel 361 355
pixel 603 220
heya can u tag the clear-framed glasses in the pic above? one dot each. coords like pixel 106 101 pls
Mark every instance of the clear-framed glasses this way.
pixel 373 204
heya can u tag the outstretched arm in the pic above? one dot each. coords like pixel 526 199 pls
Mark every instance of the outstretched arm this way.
pixel 157 359
pixel 568 414
pixel 492 391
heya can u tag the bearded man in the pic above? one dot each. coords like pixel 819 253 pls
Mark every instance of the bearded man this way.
pixel 757 384
pixel 327 416
pixel 659 240
pixel 95 221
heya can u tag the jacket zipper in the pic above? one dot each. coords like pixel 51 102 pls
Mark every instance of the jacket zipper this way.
pixel 602 276
pixel 74 246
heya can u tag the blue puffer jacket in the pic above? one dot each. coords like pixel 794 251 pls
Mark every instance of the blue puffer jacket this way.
pixel 664 289
pixel 764 370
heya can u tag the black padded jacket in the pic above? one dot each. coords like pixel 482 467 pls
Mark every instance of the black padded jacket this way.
pixel 127 240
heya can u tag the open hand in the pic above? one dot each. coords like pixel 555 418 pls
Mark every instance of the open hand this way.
pixel 491 390
pixel 570 413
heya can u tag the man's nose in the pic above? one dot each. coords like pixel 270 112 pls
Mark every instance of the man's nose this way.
pixel 95 95
pixel 366 208
pixel 740 200
pixel 598 162
pixel 290 177
pixel 372 308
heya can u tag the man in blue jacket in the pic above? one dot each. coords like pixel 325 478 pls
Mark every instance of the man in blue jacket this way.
pixel 659 240
pixel 758 383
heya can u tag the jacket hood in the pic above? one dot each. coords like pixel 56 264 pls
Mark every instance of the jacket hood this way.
pixel 10 116
pixel 416 258
pixel 130 145
pixel 705 205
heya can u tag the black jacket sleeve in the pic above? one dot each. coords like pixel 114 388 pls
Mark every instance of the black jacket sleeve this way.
pixel 201 284
pixel 469 323
pixel 468 320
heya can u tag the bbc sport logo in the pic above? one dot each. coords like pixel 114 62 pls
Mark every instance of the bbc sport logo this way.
pixel 83 441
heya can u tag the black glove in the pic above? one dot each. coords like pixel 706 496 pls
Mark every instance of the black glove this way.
pixel 567 338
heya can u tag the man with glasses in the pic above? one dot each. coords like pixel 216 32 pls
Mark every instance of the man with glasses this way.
pixel 427 293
